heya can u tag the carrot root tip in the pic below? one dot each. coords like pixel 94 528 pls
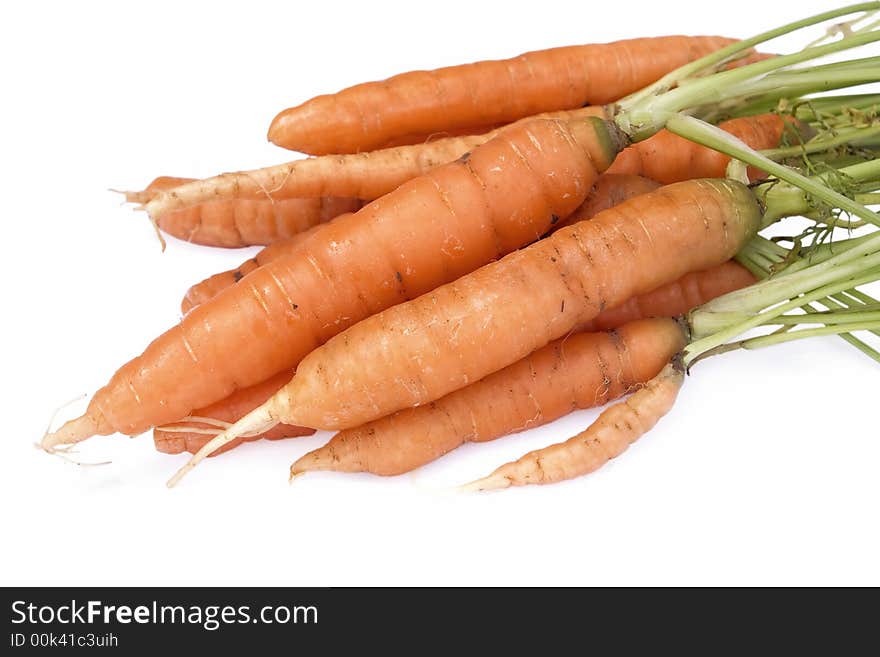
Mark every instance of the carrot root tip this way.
pixel 494 481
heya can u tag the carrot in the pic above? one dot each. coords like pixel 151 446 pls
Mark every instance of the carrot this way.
pixel 372 174
pixel 676 298
pixel 191 434
pixel 365 116
pixel 419 351
pixel 213 285
pixel 368 175
pixel 236 222
pixel 427 232
pixel 616 429
pixel 579 371
pixel 609 190
pixel 668 158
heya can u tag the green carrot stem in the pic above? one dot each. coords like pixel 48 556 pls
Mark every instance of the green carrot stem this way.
pixel 715 337
pixel 717 139
pixel 643 117
pixel 732 51
pixel 824 143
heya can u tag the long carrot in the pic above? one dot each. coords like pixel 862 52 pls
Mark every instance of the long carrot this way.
pixel 608 191
pixel 419 351
pixel 365 116
pixel 666 301
pixel 370 175
pixel 579 371
pixel 366 175
pixel 429 231
pixel 190 434
pixel 613 432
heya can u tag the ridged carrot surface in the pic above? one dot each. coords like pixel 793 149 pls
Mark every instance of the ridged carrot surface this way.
pixel 579 371
pixel 368 115
pixel 431 230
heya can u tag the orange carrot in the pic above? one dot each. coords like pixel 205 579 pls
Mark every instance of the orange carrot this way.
pixel 676 298
pixel 610 435
pixel 368 175
pixel 190 434
pixel 571 372
pixel 238 222
pixel 579 371
pixel 419 351
pixel 608 191
pixel 365 116
pixel 372 174
pixel 429 231
pixel 234 223
pixel 668 158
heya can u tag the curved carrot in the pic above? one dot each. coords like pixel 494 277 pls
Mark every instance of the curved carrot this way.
pixel 367 115
pixel 431 230
pixel 190 434
pixel 579 371
pixel 608 191
pixel 419 351
pixel 572 372
pixel 610 435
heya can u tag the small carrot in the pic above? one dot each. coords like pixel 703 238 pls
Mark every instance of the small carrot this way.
pixel 579 371
pixel 610 435
pixel 608 191
pixel 421 350
pixel 365 116
pixel 190 434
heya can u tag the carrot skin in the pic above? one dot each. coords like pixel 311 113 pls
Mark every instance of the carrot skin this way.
pixel 609 436
pixel 431 230
pixel 668 158
pixel 229 410
pixel 608 191
pixel 419 351
pixel 365 116
pixel 579 371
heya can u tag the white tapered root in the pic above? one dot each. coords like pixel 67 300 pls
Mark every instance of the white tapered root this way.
pixel 618 426
pixel 260 419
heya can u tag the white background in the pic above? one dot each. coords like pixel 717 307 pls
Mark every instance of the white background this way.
pixel 764 473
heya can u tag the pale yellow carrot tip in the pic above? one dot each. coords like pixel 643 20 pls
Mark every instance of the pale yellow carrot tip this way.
pixel 70 433
pixel 494 481
pixel 140 197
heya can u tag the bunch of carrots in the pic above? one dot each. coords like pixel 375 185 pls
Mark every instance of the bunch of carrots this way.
pixel 481 249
